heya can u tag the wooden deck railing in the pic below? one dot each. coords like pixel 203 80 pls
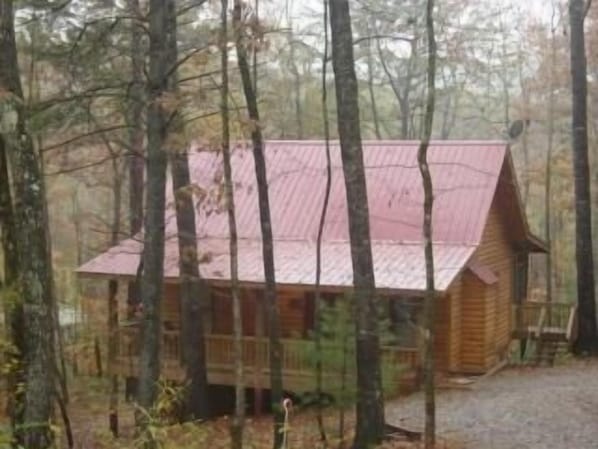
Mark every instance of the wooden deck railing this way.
pixel 297 355
pixel 534 318
pixel 572 324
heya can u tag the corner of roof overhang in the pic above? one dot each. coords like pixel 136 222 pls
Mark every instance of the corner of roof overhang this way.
pixel 534 244
pixel 531 243
pixel 482 271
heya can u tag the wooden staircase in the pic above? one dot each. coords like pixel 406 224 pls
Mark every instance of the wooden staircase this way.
pixel 545 331
pixel 548 351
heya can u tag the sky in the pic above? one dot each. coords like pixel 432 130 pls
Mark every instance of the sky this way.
pixel 538 9
pixel 309 12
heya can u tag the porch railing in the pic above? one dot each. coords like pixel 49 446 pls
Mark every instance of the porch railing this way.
pixel 297 355
pixel 534 318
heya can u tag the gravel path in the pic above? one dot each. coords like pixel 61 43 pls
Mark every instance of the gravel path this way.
pixel 523 408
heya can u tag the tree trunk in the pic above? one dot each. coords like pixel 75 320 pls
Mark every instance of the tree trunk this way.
pixel 193 293
pixel 266 227
pixel 450 104
pixel 112 293
pixel 13 307
pixel 193 290
pixel 296 84
pixel 112 355
pixel 402 94
pixel 429 298
pixel 239 415
pixel 587 340
pixel 152 283
pixel 317 292
pixel 135 158
pixel 525 98
pixel 548 168
pixel 405 115
pixel 255 47
pixel 371 90
pixel 370 404
pixel 35 269
pixel 407 111
pixel 35 272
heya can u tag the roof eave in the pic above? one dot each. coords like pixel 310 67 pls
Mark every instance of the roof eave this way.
pixel 386 291
pixel 535 244
pixel 532 244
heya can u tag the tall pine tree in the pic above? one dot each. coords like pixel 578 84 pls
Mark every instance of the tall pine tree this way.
pixel 587 339
pixel 370 403
pixel 152 277
pixel 32 244
pixel 257 142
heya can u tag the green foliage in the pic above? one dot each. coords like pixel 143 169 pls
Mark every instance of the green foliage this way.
pixel 9 353
pixel 161 422
pixel 338 351
pixel 9 296
pixel 5 437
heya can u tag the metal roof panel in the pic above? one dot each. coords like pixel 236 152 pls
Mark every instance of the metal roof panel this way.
pixel 464 174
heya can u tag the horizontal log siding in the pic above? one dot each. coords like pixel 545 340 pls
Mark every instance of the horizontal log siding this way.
pixel 442 345
pixel 492 303
pixel 497 252
pixel 292 309
pixel 473 325
pixel 454 295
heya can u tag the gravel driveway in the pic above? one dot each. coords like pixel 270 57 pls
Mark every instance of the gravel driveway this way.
pixel 523 408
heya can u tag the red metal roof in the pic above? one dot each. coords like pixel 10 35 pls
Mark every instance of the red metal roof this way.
pixel 484 273
pixel 465 176
pixel 398 266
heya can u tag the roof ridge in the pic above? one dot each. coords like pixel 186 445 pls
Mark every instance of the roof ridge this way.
pixel 388 142
pixel 343 241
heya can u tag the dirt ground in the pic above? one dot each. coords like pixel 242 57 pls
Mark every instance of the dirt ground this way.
pixel 88 410
pixel 518 408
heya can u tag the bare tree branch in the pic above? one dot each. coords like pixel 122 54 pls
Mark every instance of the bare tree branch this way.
pixel 587 8
pixel 82 136
pixel 391 37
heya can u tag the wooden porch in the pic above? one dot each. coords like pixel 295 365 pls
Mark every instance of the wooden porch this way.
pixel 547 321
pixel 401 365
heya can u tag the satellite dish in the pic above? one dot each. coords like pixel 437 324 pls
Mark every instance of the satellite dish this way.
pixel 517 128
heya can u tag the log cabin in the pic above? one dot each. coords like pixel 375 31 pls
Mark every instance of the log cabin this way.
pixel 481 240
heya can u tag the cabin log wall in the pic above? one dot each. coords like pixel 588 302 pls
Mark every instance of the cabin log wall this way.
pixel 171 306
pixel 497 252
pixel 292 309
pixel 442 342
pixel 455 297
pixel 486 309
pixel 473 324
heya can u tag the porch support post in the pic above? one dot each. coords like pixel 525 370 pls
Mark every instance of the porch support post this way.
pixel 257 368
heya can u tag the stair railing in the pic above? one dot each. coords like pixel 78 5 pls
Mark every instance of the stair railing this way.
pixel 540 324
pixel 571 322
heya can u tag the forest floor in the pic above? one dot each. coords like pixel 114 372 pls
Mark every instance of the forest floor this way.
pixel 518 408
pixel 89 422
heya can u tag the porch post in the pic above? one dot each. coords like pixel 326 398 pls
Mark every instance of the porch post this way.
pixel 257 368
